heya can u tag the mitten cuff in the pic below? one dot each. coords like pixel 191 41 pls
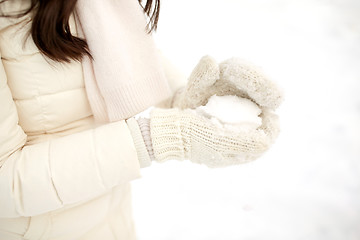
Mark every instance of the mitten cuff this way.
pixel 142 152
pixel 166 134
pixel 144 125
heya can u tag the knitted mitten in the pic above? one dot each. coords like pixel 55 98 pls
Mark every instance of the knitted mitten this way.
pixel 180 133
pixel 231 77
pixel 183 134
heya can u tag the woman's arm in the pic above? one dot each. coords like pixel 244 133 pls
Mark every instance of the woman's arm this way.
pixel 43 177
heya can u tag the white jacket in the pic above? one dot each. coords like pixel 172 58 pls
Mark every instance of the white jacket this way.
pixel 61 175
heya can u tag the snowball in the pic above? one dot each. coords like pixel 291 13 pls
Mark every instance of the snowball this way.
pixel 232 112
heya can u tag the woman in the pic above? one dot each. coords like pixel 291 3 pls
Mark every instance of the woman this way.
pixel 65 175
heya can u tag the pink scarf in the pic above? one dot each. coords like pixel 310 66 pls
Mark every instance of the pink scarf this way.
pixel 126 76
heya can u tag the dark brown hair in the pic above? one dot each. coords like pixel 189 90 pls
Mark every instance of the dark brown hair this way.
pixel 50 28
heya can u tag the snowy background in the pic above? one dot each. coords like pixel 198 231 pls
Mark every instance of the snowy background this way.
pixel 308 185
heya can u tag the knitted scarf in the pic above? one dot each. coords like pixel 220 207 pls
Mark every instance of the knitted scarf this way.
pixel 126 76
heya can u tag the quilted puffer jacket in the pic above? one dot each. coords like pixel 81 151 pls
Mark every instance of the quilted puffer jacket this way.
pixel 62 176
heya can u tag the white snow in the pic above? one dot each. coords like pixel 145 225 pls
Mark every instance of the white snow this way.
pixel 307 187
pixel 231 112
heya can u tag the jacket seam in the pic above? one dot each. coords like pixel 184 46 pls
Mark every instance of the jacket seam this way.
pixel 38 95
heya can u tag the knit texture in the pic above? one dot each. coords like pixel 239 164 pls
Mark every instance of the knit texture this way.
pixel 182 134
pixel 231 77
pixel 140 145
pixel 126 76
pixel 144 125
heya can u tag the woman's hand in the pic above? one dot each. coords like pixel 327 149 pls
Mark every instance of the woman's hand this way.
pixel 181 133
pixel 184 134
pixel 231 77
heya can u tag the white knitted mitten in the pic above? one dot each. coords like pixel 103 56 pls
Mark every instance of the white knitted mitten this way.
pixel 183 134
pixel 180 133
pixel 231 77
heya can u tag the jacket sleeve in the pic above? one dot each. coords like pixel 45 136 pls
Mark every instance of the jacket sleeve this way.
pixel 176 79
pixel 42 177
